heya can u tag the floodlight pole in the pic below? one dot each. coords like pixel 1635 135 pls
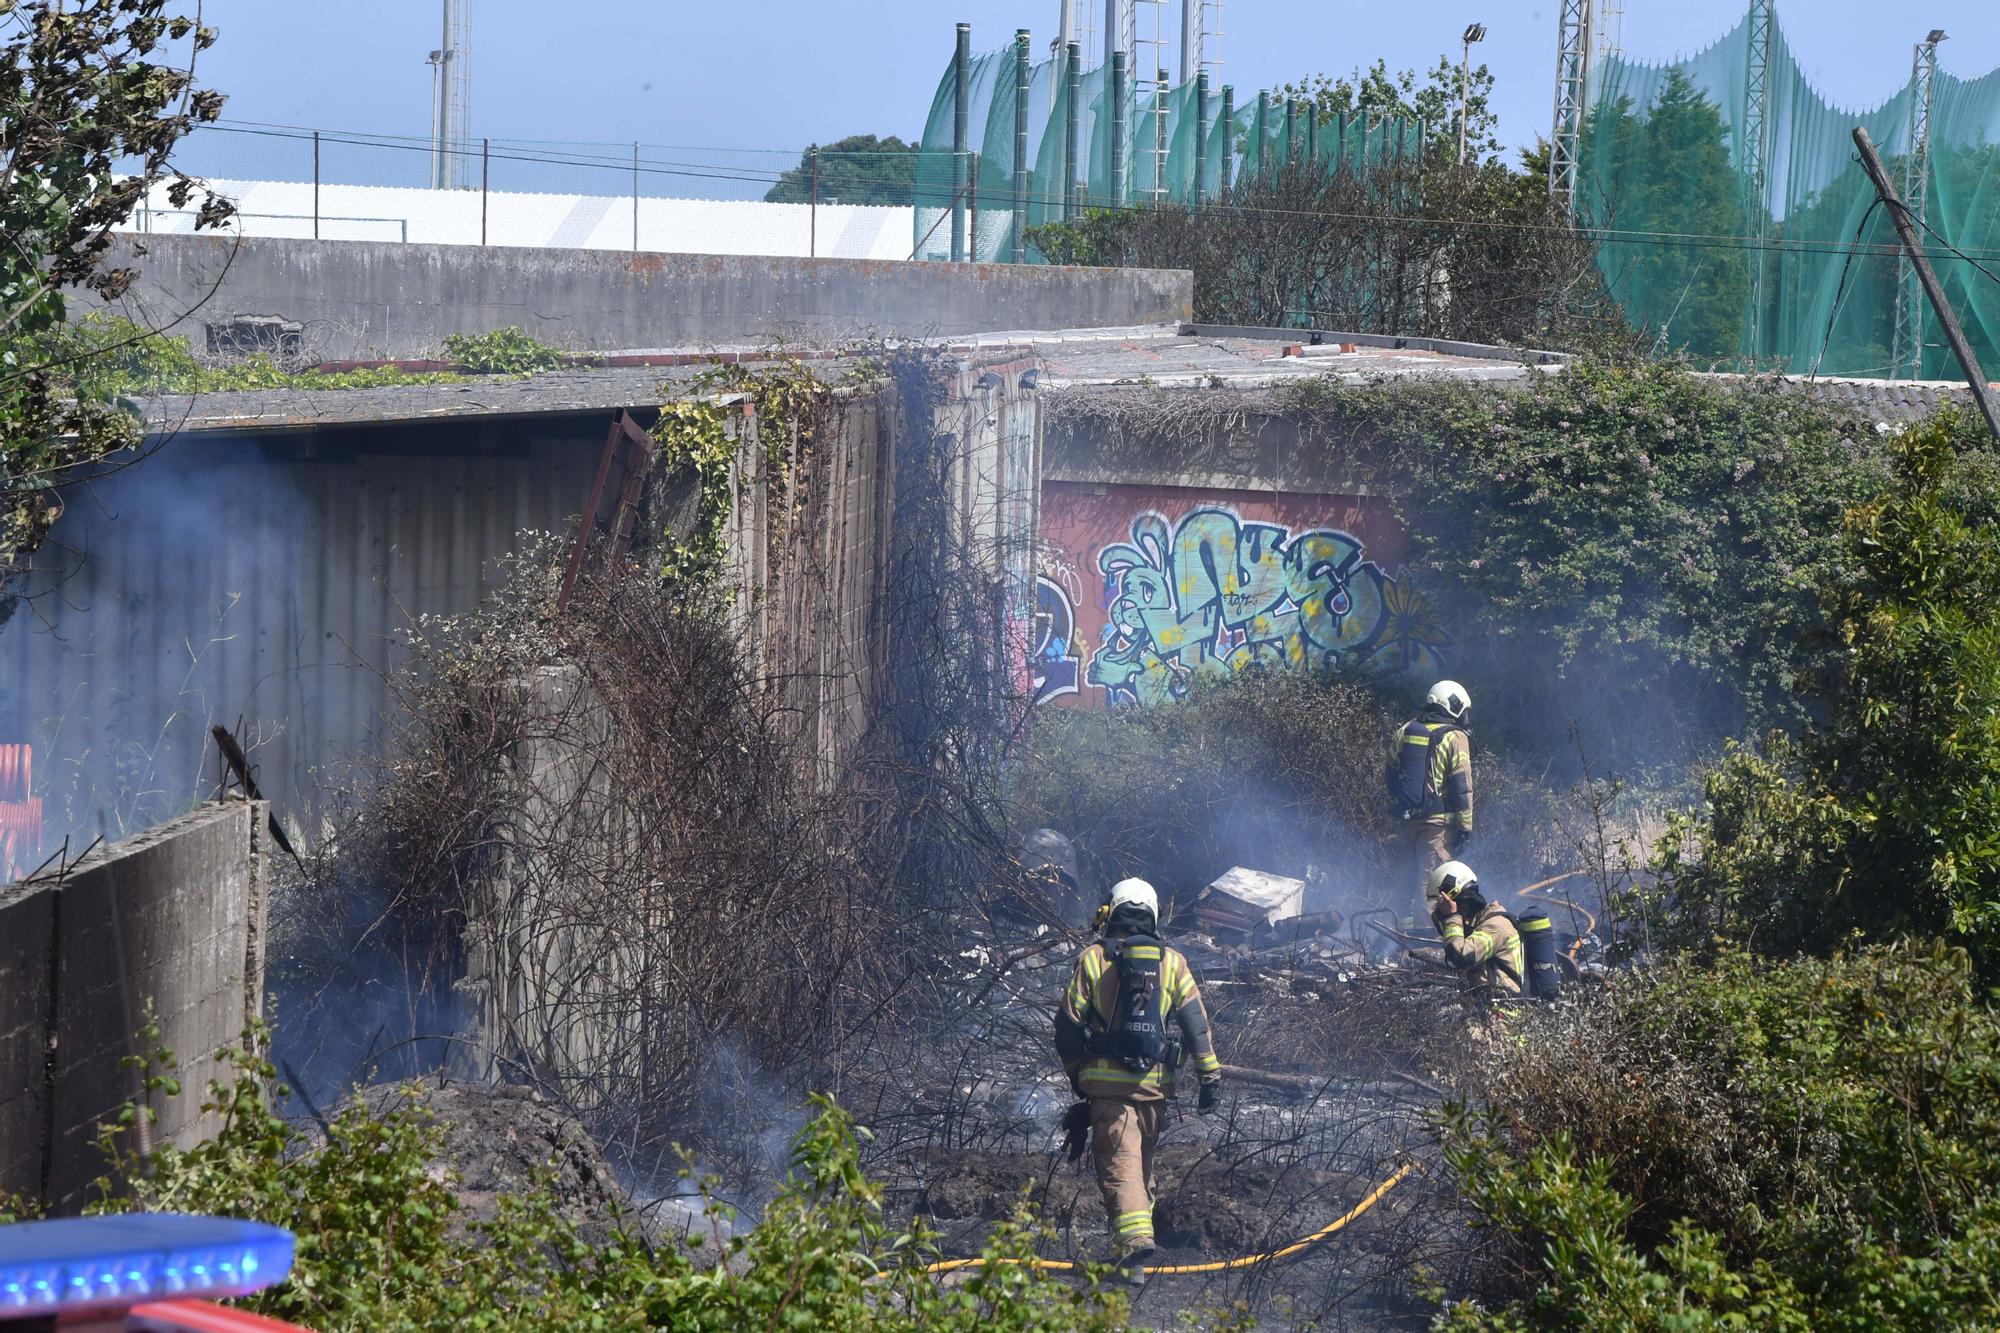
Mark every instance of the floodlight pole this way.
pixel 1913 246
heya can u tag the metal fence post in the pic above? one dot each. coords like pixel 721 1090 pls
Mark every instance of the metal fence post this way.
pixel 961 73
pixel 635 196
pixel 1263 124
pixel 1120 79
pixel 1228 135
pixel 485 183
pixel 812 224
pixel 1071 138
pixel 315 185
pixel 1022 75
pixel 1200 135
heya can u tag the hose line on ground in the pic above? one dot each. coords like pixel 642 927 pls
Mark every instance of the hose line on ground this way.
pixel 1220 1265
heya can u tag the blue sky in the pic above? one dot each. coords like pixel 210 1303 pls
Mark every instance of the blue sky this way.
pixel 781 73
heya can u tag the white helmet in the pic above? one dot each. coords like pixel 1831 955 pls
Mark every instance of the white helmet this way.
pixel 1450 696
pixel 1452 877
pixel 1137 892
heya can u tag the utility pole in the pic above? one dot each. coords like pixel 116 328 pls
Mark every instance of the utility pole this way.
pixel 1913 246
pixel 1907 349
pixel 1474 32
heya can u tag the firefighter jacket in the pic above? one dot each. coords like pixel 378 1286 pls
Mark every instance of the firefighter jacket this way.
pixel 1489 954
pixel 1089 1004
pixel 1448 782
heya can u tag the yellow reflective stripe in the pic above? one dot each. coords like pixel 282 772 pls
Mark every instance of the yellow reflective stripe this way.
pixel 1208 1064
pixel 1408 739
pixel 1131 1224
pixel 1142 951
pixel 1453 930
pixel 1537 923
pixel 1483 943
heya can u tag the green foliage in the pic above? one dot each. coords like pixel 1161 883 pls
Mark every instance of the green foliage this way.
pixel 1628 545
pixel 1380 94
pixel 700 432
pixel 860 169
pixel 116 359
pixel 83 90
pixel 509 351
pixel 1811 1144
pixel 1675 176
pixel 1880 816
pixel 383 1243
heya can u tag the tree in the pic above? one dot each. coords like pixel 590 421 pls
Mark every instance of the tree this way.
pixel 1878 816
pixel 1665 171
pixel 1378 93
pixel 860 169
pixel 86 87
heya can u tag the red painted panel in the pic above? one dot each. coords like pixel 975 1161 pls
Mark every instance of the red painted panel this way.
pixel 1145 589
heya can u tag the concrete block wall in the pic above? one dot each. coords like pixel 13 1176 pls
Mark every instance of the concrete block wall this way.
pixel 361 299
pixel 173 916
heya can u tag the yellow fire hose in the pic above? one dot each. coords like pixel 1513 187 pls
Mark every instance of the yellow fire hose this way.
pixel 1220 1265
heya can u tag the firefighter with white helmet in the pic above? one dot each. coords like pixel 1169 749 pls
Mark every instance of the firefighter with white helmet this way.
pixel 1480 937
pixel 1129 1015
pixel 1430 782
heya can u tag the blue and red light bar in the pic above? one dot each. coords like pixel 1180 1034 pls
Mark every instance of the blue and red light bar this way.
pixel 107 1264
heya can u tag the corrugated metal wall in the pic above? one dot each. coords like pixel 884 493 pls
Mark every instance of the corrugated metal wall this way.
pixel 269 582
pixel 264 583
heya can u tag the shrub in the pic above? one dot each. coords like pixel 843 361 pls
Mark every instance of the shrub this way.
pixel 382 1242
pixel 1809 1144
pixel 1879 817
pixel 509 351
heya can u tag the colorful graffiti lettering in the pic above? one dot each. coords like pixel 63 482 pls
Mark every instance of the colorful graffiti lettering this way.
pixel 1215 594
pixel 1054 665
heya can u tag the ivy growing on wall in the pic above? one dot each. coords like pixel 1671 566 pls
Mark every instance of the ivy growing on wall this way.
pixel 696 432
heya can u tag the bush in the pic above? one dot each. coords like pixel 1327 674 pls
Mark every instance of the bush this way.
pixel 1879 817
pixel 1811 1144
pixel 510 351
pixel 382 1243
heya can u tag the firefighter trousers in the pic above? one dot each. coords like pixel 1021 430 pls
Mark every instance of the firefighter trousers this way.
pixel 1123 1134
pixel 1431 845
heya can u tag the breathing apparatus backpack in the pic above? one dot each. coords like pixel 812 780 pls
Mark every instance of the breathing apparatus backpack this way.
pixel 1538 950
pixel 1409 775
pixel 1137 1033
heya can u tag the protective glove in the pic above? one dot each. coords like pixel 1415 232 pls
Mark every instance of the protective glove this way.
pixel 1076 1130
pixel 1211 1097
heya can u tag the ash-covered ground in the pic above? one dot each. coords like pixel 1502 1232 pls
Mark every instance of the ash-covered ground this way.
pixel 1337 1045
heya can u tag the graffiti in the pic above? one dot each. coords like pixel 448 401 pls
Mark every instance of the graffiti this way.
pixel 1215 594
pixel 1054 663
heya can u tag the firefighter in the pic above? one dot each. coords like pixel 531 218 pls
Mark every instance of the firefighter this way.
pixel 1129 992
pixel 1430 783
pixel 1480 938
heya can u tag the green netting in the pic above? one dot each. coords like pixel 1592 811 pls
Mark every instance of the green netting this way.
pixel 1154 160
pixel 1801 274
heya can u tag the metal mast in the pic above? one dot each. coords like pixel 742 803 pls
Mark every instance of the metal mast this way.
pixel 1757 162
pixel 1193 27
pixel 1573 42
pixel 451 116
pixel 1908 348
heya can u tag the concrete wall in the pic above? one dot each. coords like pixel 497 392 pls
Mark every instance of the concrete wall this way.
pixel 365 298
pixel 174 916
